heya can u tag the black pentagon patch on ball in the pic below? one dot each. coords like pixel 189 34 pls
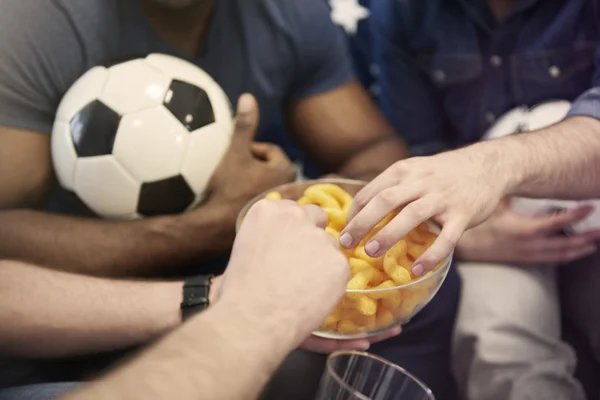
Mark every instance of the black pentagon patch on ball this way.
pixel 189 104
pixel 93 129
pixel 167 196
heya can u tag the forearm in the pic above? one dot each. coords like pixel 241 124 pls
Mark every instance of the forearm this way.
pixel 227 352
pixel 46 313
pixel 374 158
pixel 110 248
pixel 562 161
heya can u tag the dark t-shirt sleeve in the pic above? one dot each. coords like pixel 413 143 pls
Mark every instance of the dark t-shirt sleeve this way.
pixel 40 57
pixel 323 61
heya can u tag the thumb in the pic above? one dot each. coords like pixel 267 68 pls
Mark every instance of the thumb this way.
pixel 269 153
pixel 246 119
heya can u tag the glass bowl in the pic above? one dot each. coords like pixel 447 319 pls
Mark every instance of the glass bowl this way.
pixel 368 312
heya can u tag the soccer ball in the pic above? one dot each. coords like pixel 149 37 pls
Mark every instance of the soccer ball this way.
pixel 141 138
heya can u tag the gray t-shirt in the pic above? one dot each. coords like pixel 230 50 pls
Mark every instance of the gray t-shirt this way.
pixel 278 50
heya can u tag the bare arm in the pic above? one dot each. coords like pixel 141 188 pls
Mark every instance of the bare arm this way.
pixel 228 352
pixel 88 245
pixel 46 313
pixel 265 309
pixel 562 161
pixel 345 133
pixel 143 247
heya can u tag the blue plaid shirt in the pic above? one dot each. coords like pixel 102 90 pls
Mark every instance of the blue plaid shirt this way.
pixel 448 69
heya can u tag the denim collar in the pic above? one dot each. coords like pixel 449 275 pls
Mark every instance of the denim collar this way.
pixel 481 14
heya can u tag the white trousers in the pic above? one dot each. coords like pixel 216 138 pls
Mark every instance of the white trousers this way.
pixel 507 342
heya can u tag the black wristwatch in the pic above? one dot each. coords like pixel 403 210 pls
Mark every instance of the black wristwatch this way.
pixel 195 295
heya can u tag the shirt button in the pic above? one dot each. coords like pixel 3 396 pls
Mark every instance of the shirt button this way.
pixel 554 71
pixel 490 117
pixel 439 75
pixel 496 61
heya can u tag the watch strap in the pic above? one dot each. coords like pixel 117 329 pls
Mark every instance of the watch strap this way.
pixel 195 295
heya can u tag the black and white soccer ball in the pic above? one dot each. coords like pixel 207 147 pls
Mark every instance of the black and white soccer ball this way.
pixel 141 138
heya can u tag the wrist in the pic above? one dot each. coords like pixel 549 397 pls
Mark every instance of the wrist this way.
pixel 503 161
pixel 259 322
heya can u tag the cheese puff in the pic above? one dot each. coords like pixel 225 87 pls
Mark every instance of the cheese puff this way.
pixel 359 281
pixel 304 201
pixel 384 318
pixel 366 305
pixel 408 306
pixel 347 326
pixel 415 251
pixel 321 198
pixel 336 217
pixel 390 298
pixel 390 259
pixel 332 232
pixel 382 294
pixel 419 294
pixel 273 196
pixel 330 323
pixel 361 254
pixel 343 197
pixel 428 282
pixel 400 275
pixel 417 237
pixel 393 302
pixel 346 303
pixel 357 265
pixel 423 228
pixel 374 276
pixel 364 322
pixel 404 263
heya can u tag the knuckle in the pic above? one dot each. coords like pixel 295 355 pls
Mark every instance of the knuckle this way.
pixel 360 199
pixel 419 210
pixel 387 197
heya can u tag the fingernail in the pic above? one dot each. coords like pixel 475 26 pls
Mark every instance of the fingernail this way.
pixel 586 209
pixel 364 346
pixel 372 248
pixel 418 270
pixel 245 103
pixel 346 240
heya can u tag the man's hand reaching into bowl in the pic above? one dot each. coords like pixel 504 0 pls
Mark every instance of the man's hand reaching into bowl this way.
pixel 458 189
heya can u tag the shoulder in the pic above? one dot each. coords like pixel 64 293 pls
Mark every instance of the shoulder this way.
pixel 290 17
pixel 57 27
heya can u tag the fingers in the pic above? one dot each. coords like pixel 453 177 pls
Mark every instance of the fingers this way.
pixel 557 222
pixel 386 180
pixel 269 153
pixel 561 249
pixel 327 346
pixel 374 211
pixel 385 335
pixel 408 219
pixel 442 246
pixel 246 119
pixel 316 214
pixel 564 256
pixel 321 345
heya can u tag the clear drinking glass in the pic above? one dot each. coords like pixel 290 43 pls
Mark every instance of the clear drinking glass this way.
pixel 355 375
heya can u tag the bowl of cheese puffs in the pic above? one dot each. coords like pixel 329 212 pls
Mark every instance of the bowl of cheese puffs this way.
pixel 382 292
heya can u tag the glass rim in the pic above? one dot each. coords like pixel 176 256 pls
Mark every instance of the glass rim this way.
pixel 443 269
pixel 387 363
